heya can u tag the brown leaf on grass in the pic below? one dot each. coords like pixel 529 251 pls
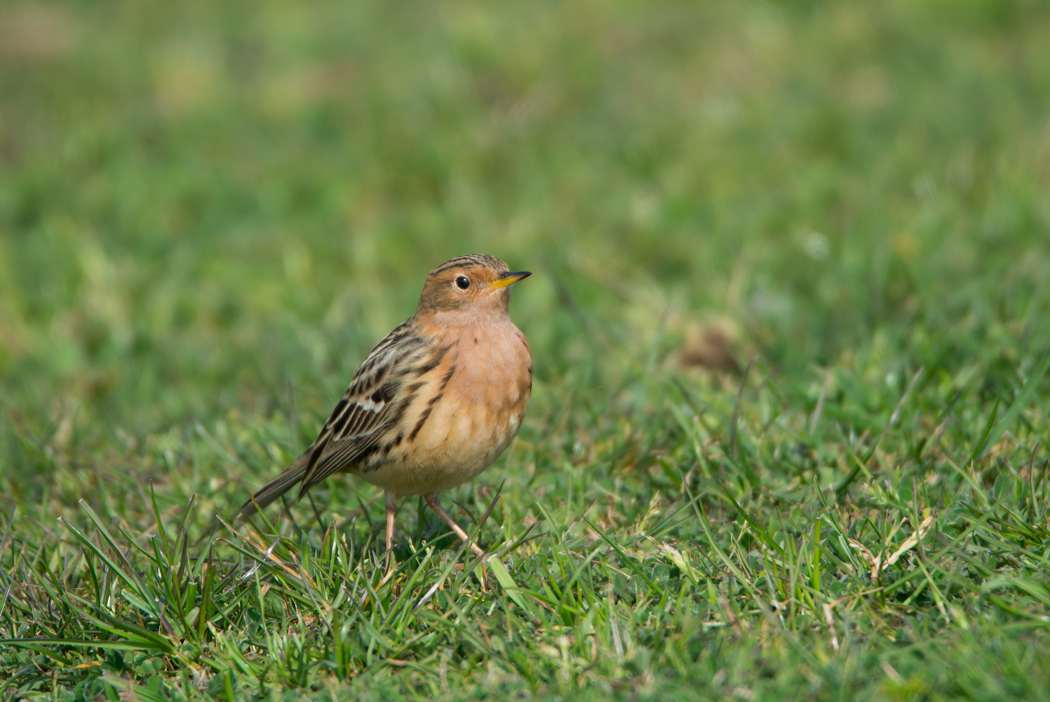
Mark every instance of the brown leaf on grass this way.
pixel 877 566
pixel 910 542
pixel 710 345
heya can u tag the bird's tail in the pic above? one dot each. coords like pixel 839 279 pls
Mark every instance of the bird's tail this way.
pixel 277 487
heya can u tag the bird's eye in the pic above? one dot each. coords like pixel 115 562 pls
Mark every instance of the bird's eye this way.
pixel 462 282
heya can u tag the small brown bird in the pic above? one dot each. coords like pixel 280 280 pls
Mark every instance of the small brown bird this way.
pixel 435 403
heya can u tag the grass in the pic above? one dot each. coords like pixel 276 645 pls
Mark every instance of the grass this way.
pixel 210 212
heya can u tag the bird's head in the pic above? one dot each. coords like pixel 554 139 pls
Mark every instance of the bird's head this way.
pixel 476 284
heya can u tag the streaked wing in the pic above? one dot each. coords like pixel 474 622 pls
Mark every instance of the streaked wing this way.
pixel 373 403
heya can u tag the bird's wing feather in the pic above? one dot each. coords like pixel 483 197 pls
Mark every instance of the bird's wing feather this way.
pixel 372 404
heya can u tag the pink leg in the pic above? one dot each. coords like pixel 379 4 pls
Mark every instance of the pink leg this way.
pixel 432 500
pixel 391 510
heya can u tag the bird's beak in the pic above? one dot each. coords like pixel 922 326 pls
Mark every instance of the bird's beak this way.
pixel 509 279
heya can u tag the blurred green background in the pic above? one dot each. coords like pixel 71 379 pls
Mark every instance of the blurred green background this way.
pixel 205 206
pixel 204 203
pixel 211 211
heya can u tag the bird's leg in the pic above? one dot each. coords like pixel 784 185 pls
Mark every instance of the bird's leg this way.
pixel 432 500
pixel 391 510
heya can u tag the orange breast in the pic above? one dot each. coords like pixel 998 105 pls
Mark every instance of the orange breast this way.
pixel 472 420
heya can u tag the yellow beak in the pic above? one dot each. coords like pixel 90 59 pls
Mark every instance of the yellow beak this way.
pixel 510 279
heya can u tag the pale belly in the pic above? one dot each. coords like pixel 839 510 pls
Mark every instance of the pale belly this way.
pixel 454 451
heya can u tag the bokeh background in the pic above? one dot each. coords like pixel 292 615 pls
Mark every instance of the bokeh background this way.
pixel 198 197
pixel 210 212
pixel 206 206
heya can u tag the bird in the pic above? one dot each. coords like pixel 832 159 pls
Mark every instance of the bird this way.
pixel 434 404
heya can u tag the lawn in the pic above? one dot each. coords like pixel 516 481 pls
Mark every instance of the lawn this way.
pixel 789 320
